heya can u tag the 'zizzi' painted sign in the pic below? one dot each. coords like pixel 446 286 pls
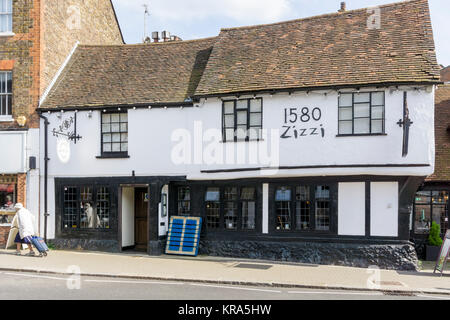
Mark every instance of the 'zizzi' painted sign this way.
pixel 302 122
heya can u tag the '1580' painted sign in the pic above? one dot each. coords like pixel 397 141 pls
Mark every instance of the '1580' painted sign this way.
pixel 302 122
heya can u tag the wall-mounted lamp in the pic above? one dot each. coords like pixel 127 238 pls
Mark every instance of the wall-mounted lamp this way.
pixel 21 121
pixel 89 114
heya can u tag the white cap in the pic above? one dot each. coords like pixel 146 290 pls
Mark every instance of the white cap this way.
pixel 18 206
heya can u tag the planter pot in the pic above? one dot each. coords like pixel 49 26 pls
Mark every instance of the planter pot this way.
pixel 432 253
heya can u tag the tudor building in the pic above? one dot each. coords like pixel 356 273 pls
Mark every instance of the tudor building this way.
pixel 431 202
pixel 305 147
pixel 35 38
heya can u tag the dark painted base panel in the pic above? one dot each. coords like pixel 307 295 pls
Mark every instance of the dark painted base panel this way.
pixel 392 256
pixel 84 244
pixel 396 257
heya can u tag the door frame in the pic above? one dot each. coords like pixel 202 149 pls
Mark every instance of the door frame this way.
pixel 120 210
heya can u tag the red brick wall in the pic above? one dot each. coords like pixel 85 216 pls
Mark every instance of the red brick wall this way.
pixel 442 134
pixel 4 232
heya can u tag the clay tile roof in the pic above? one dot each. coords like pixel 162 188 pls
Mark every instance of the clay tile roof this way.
pixel 329 50
pixel 130 74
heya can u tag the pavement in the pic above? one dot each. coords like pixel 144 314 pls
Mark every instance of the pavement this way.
pixel 231 271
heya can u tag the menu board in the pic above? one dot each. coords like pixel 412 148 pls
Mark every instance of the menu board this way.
pixel 443 254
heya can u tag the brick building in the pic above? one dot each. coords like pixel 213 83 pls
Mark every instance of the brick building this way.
pixel 35 38
pixel 432 199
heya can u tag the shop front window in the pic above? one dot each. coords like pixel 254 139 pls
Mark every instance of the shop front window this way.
pixel 86 207
pixel 283 208
pixel 212 200
pixel 184 201
pixel 311 205
pixel 430 206
pixel 231 208
pixel 7 202
pixel 248 205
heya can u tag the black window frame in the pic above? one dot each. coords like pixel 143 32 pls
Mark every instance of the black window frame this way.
pixel 431 205
pixel 235 122
pixel 332 225
pixel 114 154
pixel 186 213
pixel 238 205
pixel 371 119
pixel 95 205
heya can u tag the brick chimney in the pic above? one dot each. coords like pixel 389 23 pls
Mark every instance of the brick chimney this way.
pixel 165 35
pixel 155 36
pixel 343 7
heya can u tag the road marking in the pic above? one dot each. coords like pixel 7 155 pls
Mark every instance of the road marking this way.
pixel 35 276
pixel 337 293
pixel 133 282
pixel 433 297
pixel 235 288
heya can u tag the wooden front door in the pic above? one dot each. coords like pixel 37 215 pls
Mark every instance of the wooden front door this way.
pixel 141 218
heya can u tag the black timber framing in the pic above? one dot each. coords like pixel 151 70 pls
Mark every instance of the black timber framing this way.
pixel 407 189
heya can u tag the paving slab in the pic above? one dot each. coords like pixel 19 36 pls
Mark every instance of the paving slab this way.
pixel 227 271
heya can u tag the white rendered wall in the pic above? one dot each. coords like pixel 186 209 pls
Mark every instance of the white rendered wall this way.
pixel 384 209
pixel 352 209
pixel 151 146
pixel 32 150
pixel 13 152
pixel 128 217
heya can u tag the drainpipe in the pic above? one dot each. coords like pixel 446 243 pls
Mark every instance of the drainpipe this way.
pixel 46 159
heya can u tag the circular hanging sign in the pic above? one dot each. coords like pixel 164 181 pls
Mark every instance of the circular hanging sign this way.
pixel 63 150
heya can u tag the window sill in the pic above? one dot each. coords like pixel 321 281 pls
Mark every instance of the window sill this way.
pixel 113 156
pixel 6 119
pixel 361 135
pixel 7 34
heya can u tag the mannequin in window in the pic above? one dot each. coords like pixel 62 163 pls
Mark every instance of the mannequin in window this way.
pixel 9 203
pixel 89 211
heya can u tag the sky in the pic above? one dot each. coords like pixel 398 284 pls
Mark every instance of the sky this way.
pixel 195 19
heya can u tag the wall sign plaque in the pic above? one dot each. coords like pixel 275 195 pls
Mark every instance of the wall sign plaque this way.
pixel 302 122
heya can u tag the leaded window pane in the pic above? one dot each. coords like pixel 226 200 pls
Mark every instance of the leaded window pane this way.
pixel 361 97
pixel 184 201
pixel 229 107
pixel 378 98
pixel 103 208
pixel 212 198
pixel 255 105
pixel 322 208
pixel 362 125
pixel 345 114
pixel 255 119
pixel 346 100
pixel 303 208
pixel 362 110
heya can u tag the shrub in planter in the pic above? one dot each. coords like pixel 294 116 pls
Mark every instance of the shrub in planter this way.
pixel 434 242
